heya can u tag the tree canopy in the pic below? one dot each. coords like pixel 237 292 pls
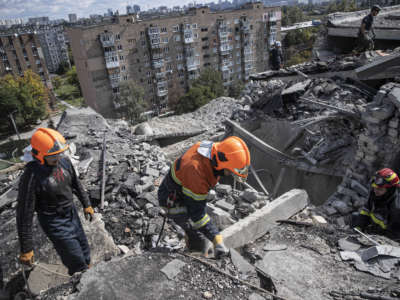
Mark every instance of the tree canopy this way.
pixel 131 101
pixel 26 97
pixel 208 86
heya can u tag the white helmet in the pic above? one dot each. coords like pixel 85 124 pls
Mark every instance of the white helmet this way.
pixel 278 43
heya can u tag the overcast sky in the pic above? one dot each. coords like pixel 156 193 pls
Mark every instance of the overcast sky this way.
pixel 55 9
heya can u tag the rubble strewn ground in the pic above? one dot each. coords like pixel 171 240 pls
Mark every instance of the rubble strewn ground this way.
pixel 328 134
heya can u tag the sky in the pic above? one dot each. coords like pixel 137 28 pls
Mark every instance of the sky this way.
pixel 56 9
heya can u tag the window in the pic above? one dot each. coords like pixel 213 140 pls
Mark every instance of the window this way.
pixel 203 29
pixel 121 57
pixel 137 60
pixel 148 74
pixel 206 55
pixel 207 64
pixel 204 39
pixel 165 39
pixel 123 68
pixel 119 47
pixel 143 42
pixel 149 81
pixel 125 77
pixel 179 56
pixel 166 49
pixel 131 41
pixel 187 26
pixel 195 35
pixel 182 82
pixel 204 47
pixel 194 26
pixel 142 33
pixel 117 37
pixel 177 38
pixel 163 29
pixel 175 28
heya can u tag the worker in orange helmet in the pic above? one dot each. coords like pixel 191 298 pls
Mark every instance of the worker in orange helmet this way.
pixel 383 206
pixel 184 189
pixel 47 186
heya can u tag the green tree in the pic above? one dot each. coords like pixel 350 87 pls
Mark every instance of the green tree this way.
pixel 72 79
pixel 212 79
pixel 26 96
pixel 131 101
pixel 235 89
pixel 56 81
pixel 195 98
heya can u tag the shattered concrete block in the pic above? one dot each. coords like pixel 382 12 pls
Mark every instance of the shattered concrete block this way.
pixel 219 217
pixel 375 251
pixel 359 202
pixel 394 123
pixel 259 222
pixel 173 268
pixel 124 249
pixel 225 206
pixel 242 265
pixel 140 188
pixel 151 172
pixel 394 97
pixel 211 195
pixel 144 129
pixel 146 179
pixel 341 221
pixel 42 277
pixel 379 97
pixel 359 188
pixel 349 244
pixel 341 207
pixel 249 195
pixel 224 189
pixel 319 219
pixel 329 210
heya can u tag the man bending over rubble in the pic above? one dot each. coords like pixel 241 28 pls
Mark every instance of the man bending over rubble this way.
pixel 383 207
pixel 184 189
pixel 47 186
pixel 365 40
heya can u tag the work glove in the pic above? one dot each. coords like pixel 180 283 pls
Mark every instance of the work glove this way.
pixel 220 250
pixel 26 258
pixel 89 213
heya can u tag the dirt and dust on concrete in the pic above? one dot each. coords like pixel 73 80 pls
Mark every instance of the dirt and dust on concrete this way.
pixel 323 133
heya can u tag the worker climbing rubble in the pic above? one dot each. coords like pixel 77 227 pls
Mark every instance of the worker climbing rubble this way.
pixel 47 186
pixel 183 192
pixel 383 206
pixel 366 33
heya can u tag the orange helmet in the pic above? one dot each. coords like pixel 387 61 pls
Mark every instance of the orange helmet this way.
pixel 45 142
pixel 385 178
pixel 232 154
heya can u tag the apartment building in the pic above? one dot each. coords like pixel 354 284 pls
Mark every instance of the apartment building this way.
pixel 55 49
pixel 165 54
pixel 20 52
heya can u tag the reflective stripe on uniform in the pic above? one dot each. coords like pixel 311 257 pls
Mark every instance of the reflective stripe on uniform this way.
pixel 377 221
pixel 197 197
pixel 174 175
pixel 203 221
pixel 374 218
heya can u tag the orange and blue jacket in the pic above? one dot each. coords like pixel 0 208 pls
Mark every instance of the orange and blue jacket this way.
pixel 191 177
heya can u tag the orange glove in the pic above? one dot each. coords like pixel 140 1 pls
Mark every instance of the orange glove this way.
pixel 26 258
pixel 89 213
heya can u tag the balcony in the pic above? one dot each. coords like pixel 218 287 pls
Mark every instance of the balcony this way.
pixel 107 39
pixel 247 51
pixel 162 83
pixel 187 36
pixel 226 66
pixel 223 34
pixel 248 58
pixel 159 63
pixel 112 62
pixel 225 49
pixel 192 64
pixel 162 92
pixel 153 31
pixel 248 67
pixel 161 75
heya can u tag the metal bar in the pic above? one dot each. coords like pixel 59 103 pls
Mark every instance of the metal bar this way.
pixel 278 182
pixel 367 237
pixel 253 171
pixel 344 111
pixel 103 176
pixel 14 125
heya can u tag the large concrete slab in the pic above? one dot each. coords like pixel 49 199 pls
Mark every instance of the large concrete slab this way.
pixel 258 223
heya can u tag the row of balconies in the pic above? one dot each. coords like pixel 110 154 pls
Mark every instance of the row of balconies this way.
pixel 112 61
pixel 192 63
pixel 107 39
pixel 187 36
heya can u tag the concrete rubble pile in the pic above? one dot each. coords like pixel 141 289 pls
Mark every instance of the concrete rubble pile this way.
pixel 375 149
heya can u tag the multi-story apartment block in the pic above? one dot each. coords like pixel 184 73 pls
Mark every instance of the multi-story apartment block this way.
pixel 20 52
pixel 55 49
pixel 165 54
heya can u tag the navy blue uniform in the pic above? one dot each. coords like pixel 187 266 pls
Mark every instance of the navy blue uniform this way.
pixel 48 190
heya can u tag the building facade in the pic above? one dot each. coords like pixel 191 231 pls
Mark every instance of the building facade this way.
pixel 55 49
pixel 164 55
pixel 20 52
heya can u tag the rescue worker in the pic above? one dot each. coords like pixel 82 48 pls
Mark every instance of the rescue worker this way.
pixel 47 186
pixel 183 192
pixel 366 33
pixel 277 57
pixel 383 207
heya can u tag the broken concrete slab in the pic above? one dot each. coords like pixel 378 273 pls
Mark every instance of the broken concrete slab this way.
pixel 225 205
pixel 255 296
pixel 242 265
pixel 219 217
pixel 224 189
pixel 45 276
pixel 299 87
pixel 173 268
pixel 9 196
pixel 258 223
pixel 349 244
pixel 385 250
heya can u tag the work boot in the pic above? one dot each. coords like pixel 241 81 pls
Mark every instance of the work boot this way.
pixel 198 244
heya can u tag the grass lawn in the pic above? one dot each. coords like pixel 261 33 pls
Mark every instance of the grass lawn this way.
pixel 69 93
